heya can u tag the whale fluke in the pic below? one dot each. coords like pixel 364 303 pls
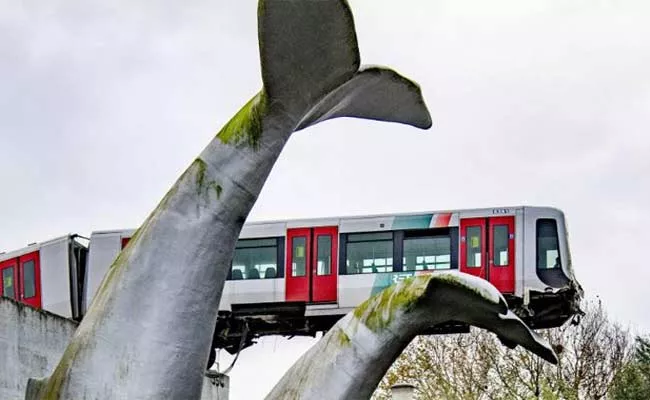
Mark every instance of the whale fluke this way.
pixel 373 93
pixel 148 330
pixel 293 37
pixel 307 49
pixel 349 361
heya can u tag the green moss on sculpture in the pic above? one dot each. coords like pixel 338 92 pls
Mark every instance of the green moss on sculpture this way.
pixel 458 281
pixel 246 126
pixel 51 389
pixel 34 388
pixel 343 338
pixel 203 187
pixel 200 167
pixel 217 189
pixel 380 310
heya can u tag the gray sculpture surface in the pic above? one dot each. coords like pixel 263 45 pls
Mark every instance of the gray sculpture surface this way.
pixel 350 360
pixel 149 327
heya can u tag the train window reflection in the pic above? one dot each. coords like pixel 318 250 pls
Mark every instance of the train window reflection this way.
pixel 324 251
pixel 474 246
pixel 29 280
pixel 548 246
pixel 8 283
pixel 255 259
pixel 369 253
pixel 500 245
pixel 427 253
pixel 299 256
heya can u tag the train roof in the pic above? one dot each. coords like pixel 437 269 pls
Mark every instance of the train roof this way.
pixel 252 228
pixel 34 247
pixel 318 220
pixel 341 220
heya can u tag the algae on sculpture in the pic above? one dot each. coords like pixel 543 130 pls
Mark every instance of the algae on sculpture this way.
pixel 149 328
pixel 350 360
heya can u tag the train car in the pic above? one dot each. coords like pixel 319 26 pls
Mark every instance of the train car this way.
pixel 47 275
pixel 299 277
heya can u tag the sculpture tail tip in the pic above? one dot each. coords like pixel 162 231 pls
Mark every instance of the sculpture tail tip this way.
pixel 310 65
pixel 375 93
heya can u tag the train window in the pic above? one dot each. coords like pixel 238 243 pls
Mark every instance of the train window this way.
pixel 324 251
pixel 255 259
pixel 369 253
pixel 474 254
pixel 427 253
pixel 8 283
pixel 500 245
pixel 299 256
pixel 29 280
pixel 548 244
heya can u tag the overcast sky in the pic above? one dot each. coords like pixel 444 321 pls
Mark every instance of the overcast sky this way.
pixel 545 102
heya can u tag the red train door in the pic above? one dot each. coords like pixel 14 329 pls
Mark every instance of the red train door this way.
pixel 502 253
pixel 30 279
pixel 312 270
pixel 8 275
pixel 487 250
pixel 297 270
pixel 324 266
pixel 472 247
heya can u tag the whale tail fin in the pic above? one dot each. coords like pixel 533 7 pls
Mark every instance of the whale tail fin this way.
pixel 310 65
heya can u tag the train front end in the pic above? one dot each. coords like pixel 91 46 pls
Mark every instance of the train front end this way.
pixel 551 292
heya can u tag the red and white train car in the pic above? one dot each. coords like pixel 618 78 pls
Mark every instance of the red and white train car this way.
pixel 47 275
pixel 300 276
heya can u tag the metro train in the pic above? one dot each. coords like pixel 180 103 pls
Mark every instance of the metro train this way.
pixel 298 277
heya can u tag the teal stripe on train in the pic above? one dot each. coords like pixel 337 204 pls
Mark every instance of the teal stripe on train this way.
pixel 384 280
pixel 412 221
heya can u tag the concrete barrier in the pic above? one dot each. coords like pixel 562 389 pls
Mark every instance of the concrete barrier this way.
pixel 32 342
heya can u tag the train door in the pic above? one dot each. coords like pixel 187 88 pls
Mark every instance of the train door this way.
pixel 311 269
pixel 487 250
pixel 8 273
pixel 472 246
pixel 30 279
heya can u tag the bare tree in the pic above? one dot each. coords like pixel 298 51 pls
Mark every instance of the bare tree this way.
pixel 477 366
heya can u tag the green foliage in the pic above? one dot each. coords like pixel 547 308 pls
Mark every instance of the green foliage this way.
pixel 642 354
pixel 633 382
pixel 476 366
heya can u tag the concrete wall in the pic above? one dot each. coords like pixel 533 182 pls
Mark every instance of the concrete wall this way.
pixel 32 342
pixel 216 386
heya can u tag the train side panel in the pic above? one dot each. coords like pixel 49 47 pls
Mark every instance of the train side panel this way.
pixel 42 276
pixel 548 263
pixel 252 291
pixel 519 253
pixel 56 290
pixel 104 249
pixel 355 289
pixel 537 237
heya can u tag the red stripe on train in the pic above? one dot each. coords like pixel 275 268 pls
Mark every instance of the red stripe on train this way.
pixel 442 220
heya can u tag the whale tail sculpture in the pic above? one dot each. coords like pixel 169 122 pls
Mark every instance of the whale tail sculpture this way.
pixel 148 330
pixel 310 64
pixel 349 361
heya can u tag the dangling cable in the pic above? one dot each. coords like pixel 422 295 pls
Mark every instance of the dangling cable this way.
pixel 241 345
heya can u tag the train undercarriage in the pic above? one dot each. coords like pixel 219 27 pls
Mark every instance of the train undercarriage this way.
pixel 241 327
